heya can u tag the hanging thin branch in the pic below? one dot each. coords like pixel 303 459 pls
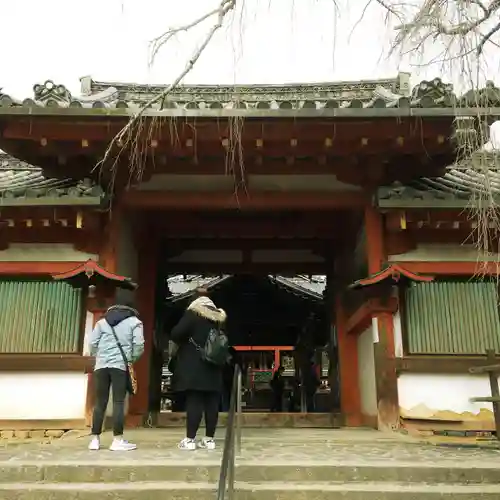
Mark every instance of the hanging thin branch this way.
pixel 451 20
pixel 124 137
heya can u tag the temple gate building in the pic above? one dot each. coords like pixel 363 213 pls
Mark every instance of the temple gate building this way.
pixel 252 185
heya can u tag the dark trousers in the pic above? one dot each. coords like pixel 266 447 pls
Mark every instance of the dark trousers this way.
pixel 105 378
pixel 310 402
pixel 277 401
pixel 199 403
pixel 179 402
pixel 225 401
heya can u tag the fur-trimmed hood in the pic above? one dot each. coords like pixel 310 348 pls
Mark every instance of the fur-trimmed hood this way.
pixel 205 308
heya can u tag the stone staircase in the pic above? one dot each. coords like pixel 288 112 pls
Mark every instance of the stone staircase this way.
pixel 264 420
pixel 274 465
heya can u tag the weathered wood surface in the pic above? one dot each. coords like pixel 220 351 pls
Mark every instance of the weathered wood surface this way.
pixel 493 369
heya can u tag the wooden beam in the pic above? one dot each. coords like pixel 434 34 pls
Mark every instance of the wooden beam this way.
pixel 264 348
pixel 44 424
pixel 262 268
pixel 485 369
pixel 169 158
pixel 294 230
pixel 252 165
pixel 33 268
pixel 259 201
pixel 176 245
pixel 55 233
pixel 485 399
pixel 453 268
pixel 438 364
pixel 37 128
pixel 495 390
pixel 46 363
pixel 361 319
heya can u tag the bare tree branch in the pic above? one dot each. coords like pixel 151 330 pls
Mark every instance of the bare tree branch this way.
pixel 124 137
pixel 486 38
pixel 451 19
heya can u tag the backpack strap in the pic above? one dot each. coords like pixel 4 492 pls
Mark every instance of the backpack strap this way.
pixel 191 341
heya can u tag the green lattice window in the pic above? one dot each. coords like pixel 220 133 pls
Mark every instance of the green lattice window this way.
pixel 39 317
pixel 262 376
pixel 452 317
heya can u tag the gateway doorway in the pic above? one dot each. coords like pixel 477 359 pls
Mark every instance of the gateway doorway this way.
pixel 272 321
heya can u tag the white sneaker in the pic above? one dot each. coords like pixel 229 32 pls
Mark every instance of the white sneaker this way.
pixel 119 444
pixel 187 444
pixel 207 443
pixel 95 444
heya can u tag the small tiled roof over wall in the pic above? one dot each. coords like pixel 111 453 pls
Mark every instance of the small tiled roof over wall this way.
pixel 463 184
pixel 24 184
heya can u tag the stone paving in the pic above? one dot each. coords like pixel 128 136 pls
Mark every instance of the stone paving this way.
pixel 261 446
pixel 274 464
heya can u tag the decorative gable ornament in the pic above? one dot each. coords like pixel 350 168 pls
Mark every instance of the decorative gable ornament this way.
pixel 49 91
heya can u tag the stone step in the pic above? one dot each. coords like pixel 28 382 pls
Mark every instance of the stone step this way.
pixel 123 470
pixel 248 491
pixel 258 420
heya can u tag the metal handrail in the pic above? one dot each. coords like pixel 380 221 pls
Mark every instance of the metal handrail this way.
pixel 233 435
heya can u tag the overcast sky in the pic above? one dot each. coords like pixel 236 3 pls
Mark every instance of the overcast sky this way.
pixel 272 41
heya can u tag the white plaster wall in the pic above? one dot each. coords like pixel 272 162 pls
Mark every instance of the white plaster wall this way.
pixel 398 335
pixel 44 252
pixel 442 396
pixel 44 395
pixel 436 252
pixel 366 367
pixel 89 326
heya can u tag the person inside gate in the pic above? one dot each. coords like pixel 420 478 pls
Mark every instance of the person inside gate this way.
pixel 311 385
pixel 198 378
pixel 278 389
pixel 116 341
pixel 228 379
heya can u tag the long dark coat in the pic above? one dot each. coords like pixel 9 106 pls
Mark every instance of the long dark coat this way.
pixel 191 372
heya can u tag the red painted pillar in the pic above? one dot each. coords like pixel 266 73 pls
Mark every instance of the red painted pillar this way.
pixel 277 359
pixel 350 403
pixel 384 350
pixel 145 298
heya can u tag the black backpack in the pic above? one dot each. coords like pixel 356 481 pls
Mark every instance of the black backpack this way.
pixel 216 350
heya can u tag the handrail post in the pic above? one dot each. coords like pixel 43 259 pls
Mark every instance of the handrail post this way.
pixel 238 412
pixel 230 474
pixel 227 470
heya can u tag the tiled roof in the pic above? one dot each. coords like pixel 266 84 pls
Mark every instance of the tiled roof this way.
pixel 250 100
pixel 24 184
pixel 461 186
pixel 183 288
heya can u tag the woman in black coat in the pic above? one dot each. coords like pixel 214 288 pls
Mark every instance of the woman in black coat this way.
pixel 200 381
